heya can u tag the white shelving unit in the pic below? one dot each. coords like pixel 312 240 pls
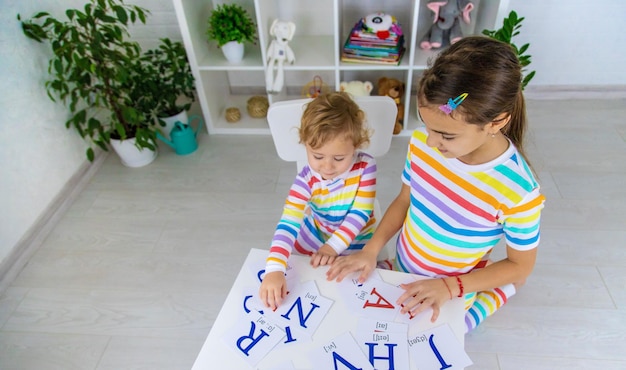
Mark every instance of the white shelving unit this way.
pixel 322 27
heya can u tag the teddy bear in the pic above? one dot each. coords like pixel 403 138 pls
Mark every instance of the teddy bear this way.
pixel 395 90
pixel 356 88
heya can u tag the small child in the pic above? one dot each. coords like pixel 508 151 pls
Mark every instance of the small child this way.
pixel 329 209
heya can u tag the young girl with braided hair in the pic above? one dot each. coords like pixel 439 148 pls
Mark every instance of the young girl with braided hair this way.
pixel 466 186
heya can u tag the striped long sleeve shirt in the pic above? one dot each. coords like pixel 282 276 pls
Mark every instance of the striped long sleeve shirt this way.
pixel 338 212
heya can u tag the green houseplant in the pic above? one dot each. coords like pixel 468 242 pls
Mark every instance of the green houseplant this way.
pixel 92 72
pixel 168 88
pixel 510 28
pixel 230 26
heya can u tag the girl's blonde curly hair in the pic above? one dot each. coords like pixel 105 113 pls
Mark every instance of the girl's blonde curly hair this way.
pixel 331 115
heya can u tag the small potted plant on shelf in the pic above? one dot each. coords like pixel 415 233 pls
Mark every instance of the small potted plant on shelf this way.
pixel 167 92
pixel 510 28
pixel 230 26
pixel 92 73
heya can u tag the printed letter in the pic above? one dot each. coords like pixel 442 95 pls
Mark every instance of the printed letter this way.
pixel 436 352
pixel 251 337
pixel 378 304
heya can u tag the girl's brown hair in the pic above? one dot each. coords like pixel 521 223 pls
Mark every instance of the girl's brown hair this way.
pixel 489 71
pixel 331 115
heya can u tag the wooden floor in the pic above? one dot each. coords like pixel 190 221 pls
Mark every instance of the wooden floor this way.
pixel 135 272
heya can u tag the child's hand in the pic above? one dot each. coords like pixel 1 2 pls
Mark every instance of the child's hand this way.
pixel 424 294
pixel 362 261
pixel 324 256
pixel 273 289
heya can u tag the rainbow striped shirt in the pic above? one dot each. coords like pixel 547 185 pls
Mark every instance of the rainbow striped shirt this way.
pixel 459 212
pixel 338 212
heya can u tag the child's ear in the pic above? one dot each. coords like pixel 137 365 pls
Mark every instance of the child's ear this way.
pixel 499 122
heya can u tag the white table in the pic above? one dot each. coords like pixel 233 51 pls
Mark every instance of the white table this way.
pixel 216 355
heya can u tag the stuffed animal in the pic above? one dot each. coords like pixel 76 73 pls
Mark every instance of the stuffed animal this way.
pixel 394 89
pixel 446 27
pixel 381 24
pixel 356 88
pixel 278 53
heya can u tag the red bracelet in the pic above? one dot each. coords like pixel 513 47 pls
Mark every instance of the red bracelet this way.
pixel 460 283
pixel 446 284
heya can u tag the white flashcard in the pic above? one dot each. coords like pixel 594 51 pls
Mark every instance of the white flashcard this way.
pixel 343 352
pixel 303 309
pixel 369 325
pixel 250 301
pixel 253 337
pixel 384 350
pixel 374 298
pixel 437 348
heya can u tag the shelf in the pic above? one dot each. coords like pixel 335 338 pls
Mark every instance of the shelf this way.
pixel 322 27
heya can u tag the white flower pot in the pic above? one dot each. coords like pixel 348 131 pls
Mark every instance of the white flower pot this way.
pixel 233 51
pixel 130 155
pixel 170 121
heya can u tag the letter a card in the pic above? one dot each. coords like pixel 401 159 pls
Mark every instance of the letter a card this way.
pixel 436 349
pixel 374 298
pixel 343 352
pixel 253 337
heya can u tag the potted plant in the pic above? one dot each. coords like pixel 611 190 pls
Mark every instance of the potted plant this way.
pixel 231 25
pixel 510 28
pixel 91 72
pixel 168 87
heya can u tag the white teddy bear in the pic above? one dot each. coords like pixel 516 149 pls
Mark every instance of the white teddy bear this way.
pixel 277 53
pixel 357 88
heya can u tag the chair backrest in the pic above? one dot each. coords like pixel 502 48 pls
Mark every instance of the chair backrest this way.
pixel 284 120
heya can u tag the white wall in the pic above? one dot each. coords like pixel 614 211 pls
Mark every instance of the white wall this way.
pixel 574 42
pixel 38 155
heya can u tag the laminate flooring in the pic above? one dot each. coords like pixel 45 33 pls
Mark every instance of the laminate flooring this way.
pixel 134 274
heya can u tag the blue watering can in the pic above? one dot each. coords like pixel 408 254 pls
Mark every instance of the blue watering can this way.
pixel 183 137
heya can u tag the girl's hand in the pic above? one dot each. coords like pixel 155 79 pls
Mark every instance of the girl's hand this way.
pixel 424 294
pixel 324 256
pixel 360 261
pixel 273 289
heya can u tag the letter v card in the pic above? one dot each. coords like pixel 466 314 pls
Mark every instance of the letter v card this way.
pixel 340 353
pixel 253 337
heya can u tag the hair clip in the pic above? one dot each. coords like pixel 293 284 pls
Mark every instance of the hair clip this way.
pixel 453 103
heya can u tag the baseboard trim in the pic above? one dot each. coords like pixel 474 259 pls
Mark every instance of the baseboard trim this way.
pixel 39 231
pixel 559 92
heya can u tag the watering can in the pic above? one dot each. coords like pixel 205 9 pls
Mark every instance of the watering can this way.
pixel 183 137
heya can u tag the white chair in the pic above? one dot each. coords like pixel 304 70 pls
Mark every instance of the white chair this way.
pixel 380 115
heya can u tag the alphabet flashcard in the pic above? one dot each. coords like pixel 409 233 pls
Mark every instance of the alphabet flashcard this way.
pixel 437 349
pixel 253 337
pixel 342 352
pixel 383 343
pixel 302 311
pixel 373 298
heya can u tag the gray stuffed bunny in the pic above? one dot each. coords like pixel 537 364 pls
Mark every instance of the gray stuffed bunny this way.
pixel 446 27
